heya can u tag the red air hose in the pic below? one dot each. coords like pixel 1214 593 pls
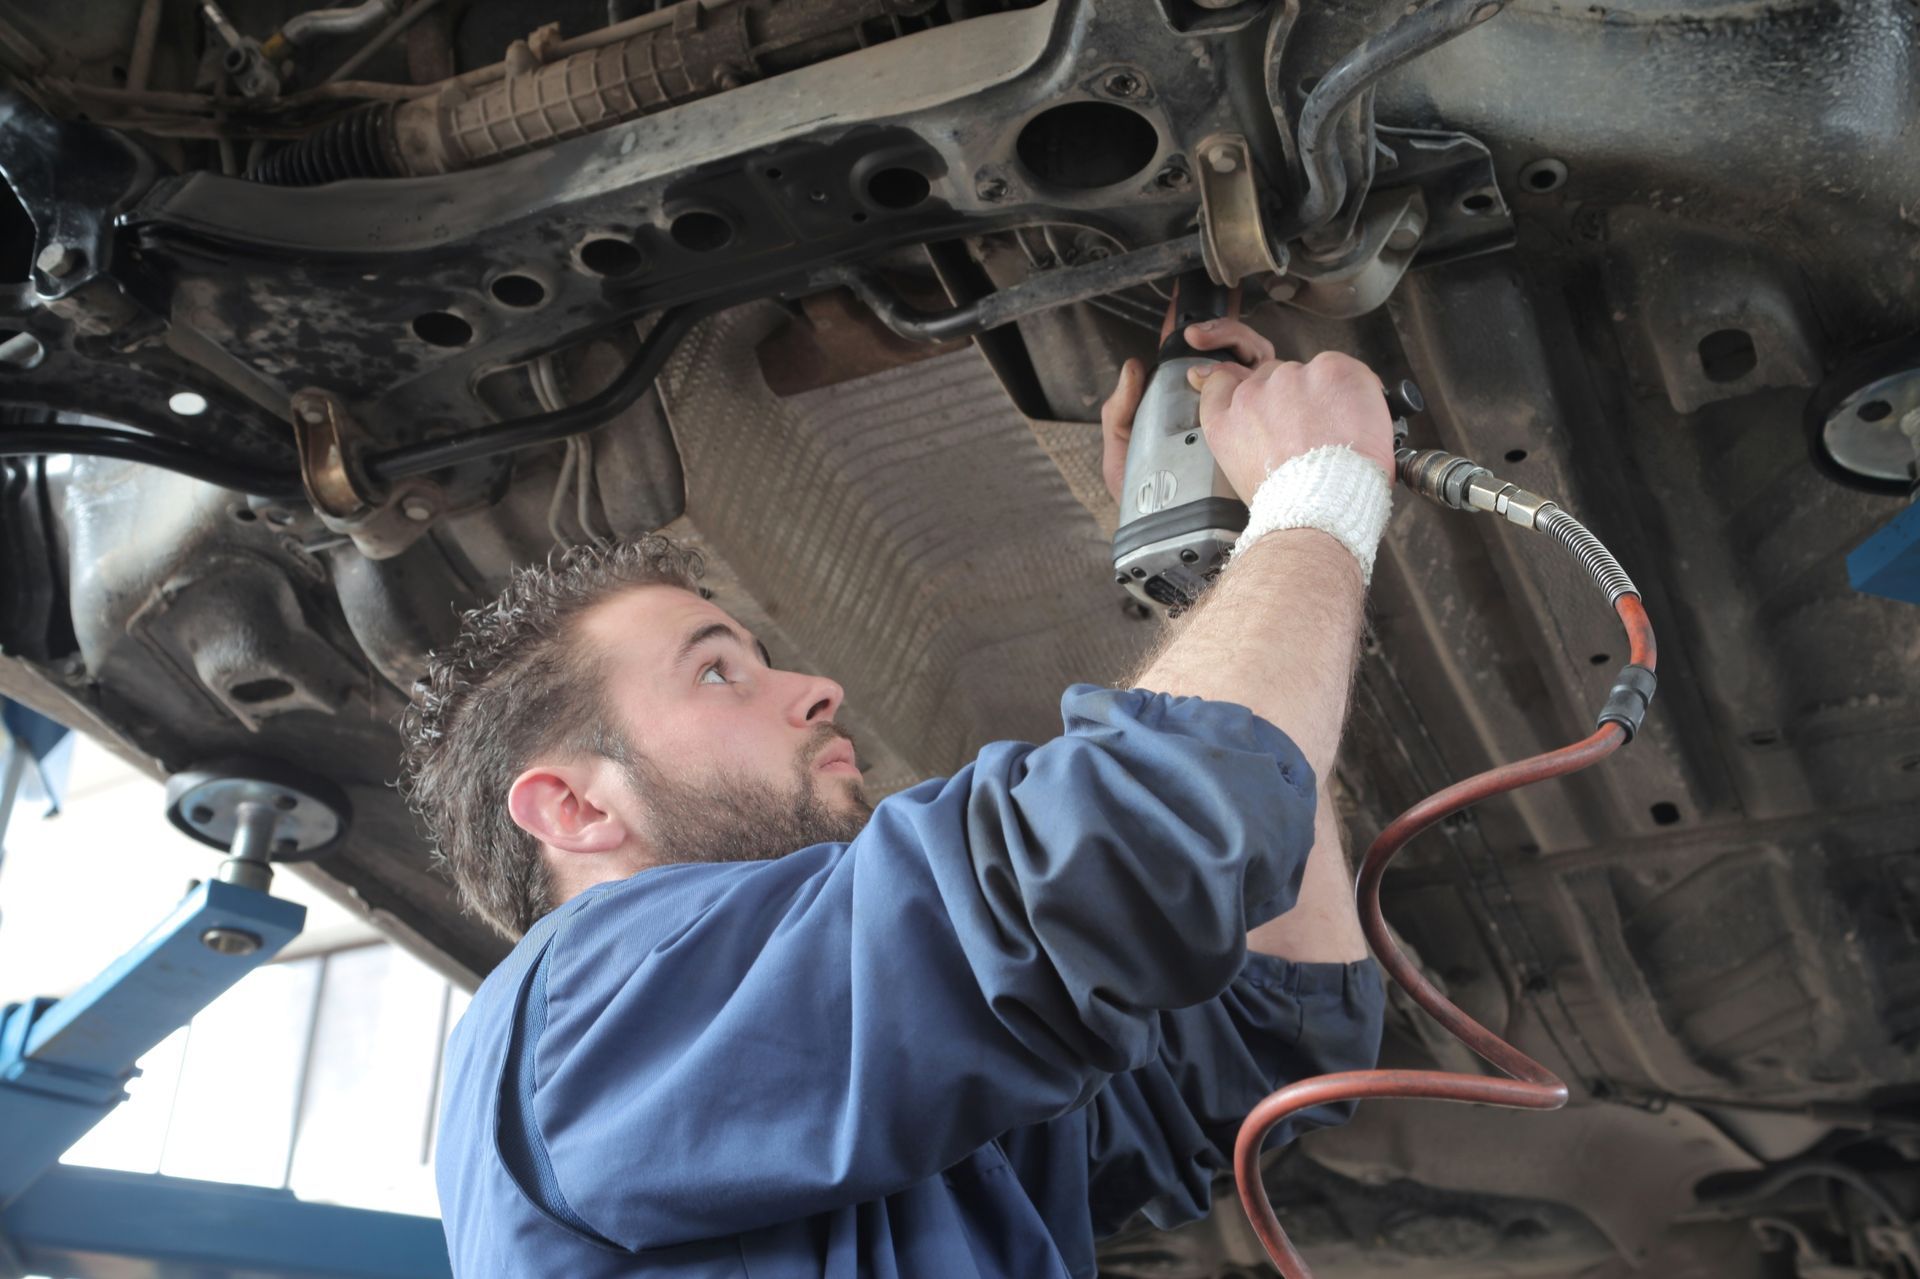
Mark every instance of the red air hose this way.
pixel 1530 1086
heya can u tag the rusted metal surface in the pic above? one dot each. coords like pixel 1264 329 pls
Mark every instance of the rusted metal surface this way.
pixel 1710 938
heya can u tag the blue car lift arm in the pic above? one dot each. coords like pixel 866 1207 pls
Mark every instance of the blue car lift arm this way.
pixel 65 1064
pixel 94 1222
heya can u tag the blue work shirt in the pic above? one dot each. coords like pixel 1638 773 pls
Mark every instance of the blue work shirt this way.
pixel 1017 1010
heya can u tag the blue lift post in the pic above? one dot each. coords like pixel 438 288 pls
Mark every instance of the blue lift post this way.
pixel 64 1064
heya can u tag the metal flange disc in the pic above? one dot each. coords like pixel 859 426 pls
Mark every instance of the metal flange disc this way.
pixel 311 813
pixel 1863 423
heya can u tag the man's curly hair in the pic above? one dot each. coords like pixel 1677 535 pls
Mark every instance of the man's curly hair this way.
pixel 514 685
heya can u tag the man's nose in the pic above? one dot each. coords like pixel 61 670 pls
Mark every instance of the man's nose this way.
pixel 816 701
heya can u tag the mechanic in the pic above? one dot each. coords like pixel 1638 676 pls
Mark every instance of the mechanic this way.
pixel 756 1027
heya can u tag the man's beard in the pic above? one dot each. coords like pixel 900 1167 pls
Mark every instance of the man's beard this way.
pixel 738 819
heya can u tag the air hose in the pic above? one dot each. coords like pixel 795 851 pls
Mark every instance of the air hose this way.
pixel 1458 483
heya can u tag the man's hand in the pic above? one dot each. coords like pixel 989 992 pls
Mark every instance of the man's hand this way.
pixel 1116 415
pixel 1256 419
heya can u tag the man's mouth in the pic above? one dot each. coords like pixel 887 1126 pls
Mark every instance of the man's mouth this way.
pixel 838 756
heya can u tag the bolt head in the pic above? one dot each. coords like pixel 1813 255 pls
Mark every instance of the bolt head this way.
pixel 1123 84
pixel 417 509
pixel 1403 238
pixel 313 414
pixel 230 941
pixel 992 189
pixel 1282 289
pixel 1223 157
pixel 57 260
pixel 1172 178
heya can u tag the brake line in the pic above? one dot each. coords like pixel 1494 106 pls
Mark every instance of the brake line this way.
pixel 1527 1085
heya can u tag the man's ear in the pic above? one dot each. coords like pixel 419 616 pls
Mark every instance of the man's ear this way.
pixel 554 805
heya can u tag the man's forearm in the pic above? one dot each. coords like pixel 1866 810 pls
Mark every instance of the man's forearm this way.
pixel 1278 634
pixel 1322 927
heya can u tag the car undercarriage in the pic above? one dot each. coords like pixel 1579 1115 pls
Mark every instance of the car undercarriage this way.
pixel 314 324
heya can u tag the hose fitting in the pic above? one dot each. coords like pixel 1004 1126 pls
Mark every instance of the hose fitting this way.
pixel 1465 485
pixel 1628 700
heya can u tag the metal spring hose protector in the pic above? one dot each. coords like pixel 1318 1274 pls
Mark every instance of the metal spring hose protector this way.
pixel 1596 559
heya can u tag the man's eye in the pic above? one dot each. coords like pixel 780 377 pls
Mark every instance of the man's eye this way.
pixel 713 675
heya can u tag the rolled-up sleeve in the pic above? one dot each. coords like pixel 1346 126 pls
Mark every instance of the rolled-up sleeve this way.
pixel 1156 1139
pixel 728 1047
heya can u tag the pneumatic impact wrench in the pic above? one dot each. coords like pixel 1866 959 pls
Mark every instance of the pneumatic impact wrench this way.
pixel 1178 514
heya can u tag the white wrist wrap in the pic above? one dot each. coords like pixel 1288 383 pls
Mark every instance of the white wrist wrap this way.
pixel 1331 488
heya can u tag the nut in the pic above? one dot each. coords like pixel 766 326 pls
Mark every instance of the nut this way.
pixel 417 509
pixel 57 260
pixel 1123 84
pixel 1172 178
pixel 992 189
pixel 1223 157
pixel 313 413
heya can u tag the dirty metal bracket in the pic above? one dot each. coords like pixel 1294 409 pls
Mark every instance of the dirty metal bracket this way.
pixel 1366 271
pixel 324 433
pixel 381 522
pixel 1233 234
pixel 1466 212
pixel 1434 199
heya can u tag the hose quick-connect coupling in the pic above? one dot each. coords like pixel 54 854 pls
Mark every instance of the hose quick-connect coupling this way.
pixel 1627 703
pixel 1465 485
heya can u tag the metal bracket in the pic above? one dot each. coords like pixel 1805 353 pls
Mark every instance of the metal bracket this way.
pixel 381 524
pixel 1362 276
pixel 1233 236
pixel 323 432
